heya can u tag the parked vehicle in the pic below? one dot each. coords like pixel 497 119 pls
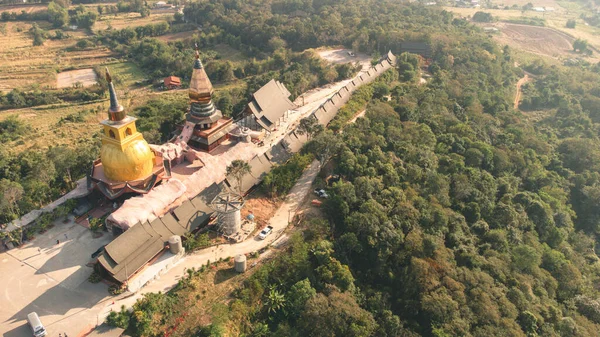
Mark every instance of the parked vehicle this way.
pixel 321 193
pixel 265 232
pixel 36 325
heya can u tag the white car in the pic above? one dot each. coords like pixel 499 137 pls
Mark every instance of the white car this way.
pixel 321 193
pixel 265 232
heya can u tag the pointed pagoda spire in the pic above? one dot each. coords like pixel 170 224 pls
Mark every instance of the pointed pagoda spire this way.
pixel 115 111
pixel 198 63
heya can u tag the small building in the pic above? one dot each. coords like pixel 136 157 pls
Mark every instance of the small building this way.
pixel 268 107
pixel 172 82
pixel 419 48
pixel 538 9
pixel 161 4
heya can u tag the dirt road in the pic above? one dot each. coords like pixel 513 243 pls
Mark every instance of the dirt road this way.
pixel 279 221
pixel 518 95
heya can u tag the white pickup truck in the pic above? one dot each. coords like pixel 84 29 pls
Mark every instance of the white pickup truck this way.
pixel 265 232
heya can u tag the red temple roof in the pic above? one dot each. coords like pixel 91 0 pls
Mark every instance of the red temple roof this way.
pixel 172 81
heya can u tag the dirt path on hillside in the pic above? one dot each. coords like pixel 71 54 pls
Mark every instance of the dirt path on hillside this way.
pixel 520 82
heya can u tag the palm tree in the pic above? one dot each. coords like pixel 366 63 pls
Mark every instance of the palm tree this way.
pixel 275 300
pixel 238 169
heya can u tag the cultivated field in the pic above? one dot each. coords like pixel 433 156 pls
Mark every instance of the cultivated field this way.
pixel 537 40
pixel 124 20
pixel 23 65
pixel 20 8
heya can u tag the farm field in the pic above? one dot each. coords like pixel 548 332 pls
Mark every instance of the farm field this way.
pixel 57 64
pixel 23 65
pixel 549 40
pixel 537 40
pixel 132 20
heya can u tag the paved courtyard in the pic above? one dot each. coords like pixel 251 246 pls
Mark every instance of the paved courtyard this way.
pixel 51 279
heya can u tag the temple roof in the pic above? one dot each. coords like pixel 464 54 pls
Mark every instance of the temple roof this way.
pixel 200 86
pixel 270 103
pixel 115 111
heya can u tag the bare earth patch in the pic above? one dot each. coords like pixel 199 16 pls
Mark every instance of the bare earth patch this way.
pixel 341 56
pixel 537 40
pixel 67 79
pixel 176 36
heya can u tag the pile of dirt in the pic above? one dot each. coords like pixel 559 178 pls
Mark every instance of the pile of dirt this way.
pixel 262 207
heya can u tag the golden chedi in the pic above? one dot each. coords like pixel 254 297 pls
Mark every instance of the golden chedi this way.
pixel 125 155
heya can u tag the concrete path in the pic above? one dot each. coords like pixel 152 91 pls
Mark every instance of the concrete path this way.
pixel 279 221
pixel 51 279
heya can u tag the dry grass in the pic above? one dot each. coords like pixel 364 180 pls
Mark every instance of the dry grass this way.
pixel 228 53
pixel 261 206
pixel 19 8
pixel 45 131
pixel 176 36
pixel 124 20
pixel 23 65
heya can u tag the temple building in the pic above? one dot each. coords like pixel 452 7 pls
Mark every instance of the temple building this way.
pixel 126 163
pixel 269 107
pixel 205 126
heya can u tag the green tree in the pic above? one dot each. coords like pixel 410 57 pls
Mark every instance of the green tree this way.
pixel 580 45
pixel 275 301
pixel 309 126
pixel 238 169
pixel 337 314
pixel 526 258
pixel 58 15
pixel 10 192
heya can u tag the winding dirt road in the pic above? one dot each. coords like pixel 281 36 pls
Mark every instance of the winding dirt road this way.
pixel 520 82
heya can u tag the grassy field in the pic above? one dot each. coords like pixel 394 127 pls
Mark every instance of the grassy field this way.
pixel 124 20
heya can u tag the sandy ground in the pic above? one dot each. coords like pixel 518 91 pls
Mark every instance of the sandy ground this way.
pixel 51 279
pixel 67 79
pixel 341 56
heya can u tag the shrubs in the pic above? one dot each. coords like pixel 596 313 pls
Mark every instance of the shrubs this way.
pixel 192 243
pixel 282 178
pixel 116 289
pixel 94 277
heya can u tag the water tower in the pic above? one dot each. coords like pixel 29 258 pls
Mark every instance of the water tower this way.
pixel 228 205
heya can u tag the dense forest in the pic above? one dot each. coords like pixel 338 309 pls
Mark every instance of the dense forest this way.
pixel 454 216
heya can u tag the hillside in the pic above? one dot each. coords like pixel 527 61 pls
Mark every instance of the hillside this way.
pixel 454 213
